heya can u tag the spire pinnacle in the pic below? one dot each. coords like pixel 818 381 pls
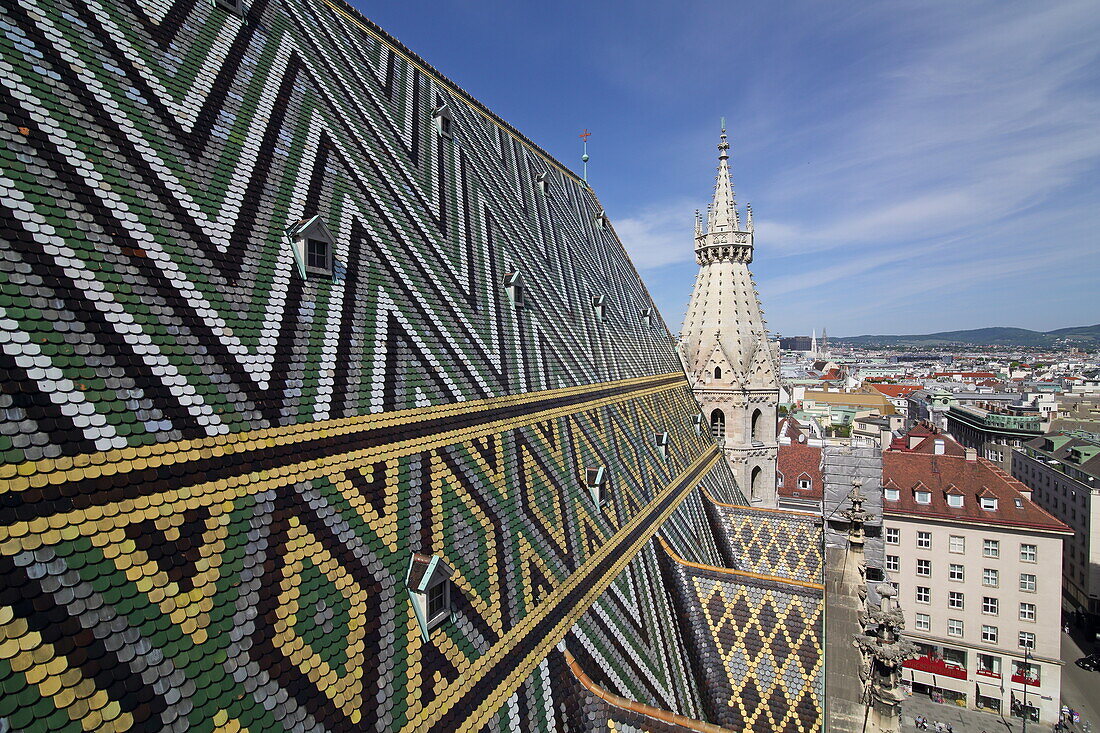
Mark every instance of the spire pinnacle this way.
pixel 723 211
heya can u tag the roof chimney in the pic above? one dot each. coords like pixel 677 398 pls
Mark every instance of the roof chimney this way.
pixel 971 454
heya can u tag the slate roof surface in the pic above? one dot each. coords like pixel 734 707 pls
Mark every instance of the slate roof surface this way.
pixel 214 470
pixel 768 635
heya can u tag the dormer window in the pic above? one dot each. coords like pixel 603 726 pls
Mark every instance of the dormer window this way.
pixel 599 305
pixel 542 182
pixel 805 484
pixel 596 478
pixel 233 6
pixel 601 219
pixel 661 439
pixel 923 497
pixel 647 316
pixel 697 420
pixel 441 119
pixel 428 582
pixel 989 503
pixel 954 500
pixel 891 494
pixel 313 247
pixel 513 286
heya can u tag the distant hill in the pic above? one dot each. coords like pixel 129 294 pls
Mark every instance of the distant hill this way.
pixel 1085 336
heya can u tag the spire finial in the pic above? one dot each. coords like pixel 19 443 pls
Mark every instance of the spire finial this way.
pixel 723 211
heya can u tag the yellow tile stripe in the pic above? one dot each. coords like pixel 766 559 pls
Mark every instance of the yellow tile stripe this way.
pixel 568 616
pixel 101 522
pixel 19 476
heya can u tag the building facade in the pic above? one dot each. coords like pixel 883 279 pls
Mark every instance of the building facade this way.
pixel 993 429
pixel 1063 472
pixel 977 567
pixel 725 347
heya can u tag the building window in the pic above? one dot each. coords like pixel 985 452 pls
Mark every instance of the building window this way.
pixel 1027 611
pixel 957 572
pixel 893 563
pixel 1028 553
pixel 596 479
pixel 1027 582
pixel 924 567
pixel 1026 640
pixel 313 247
pixel 989 503
pixel 954 500
pixel 661 440
pixel 437 601
pixel 317 254
pixel 441 119
pixel 718 425
pixel 989 665
pixel 989 634
pixel 428 581
pixel 924 594
pixel 990 606
pixel 236 7
pixel 924 622
pixel 924 540
pixel 805 484
pixel 717 372
pixel 955 599
pixel 1024 672
pixel 891 495
pixel 513 287
pixel 991 577
pixel 955 657
pixel 954 627
pixel 924 497
pixel 893 536
pixel 957 544
pixel 991 548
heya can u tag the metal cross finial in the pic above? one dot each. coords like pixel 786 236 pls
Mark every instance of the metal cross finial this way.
pixel 584 158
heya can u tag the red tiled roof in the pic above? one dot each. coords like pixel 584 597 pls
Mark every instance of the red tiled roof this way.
pixel 973 479
pixel 831 374
pixel 928 445
pixel 896 390
pixel 793 461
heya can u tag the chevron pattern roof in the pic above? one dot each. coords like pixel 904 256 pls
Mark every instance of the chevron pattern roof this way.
pixel 216 464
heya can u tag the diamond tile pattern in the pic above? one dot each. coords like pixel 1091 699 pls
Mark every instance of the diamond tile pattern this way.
pixel 772 542
pixel 214 468
pixel 755 644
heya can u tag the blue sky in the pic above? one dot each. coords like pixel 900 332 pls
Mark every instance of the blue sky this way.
pixel 912 166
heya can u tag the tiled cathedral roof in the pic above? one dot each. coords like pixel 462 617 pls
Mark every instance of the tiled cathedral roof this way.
pixel 218 465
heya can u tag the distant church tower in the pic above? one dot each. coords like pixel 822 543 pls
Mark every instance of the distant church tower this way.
pixel 725 347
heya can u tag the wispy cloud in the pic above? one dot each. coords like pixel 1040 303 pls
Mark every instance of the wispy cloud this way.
pixel 658 235
pixel 929 164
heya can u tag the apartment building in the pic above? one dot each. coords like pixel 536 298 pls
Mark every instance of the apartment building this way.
pixel 977 567
pixel 1063 471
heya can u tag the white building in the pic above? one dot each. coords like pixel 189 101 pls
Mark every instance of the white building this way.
pixel 978 567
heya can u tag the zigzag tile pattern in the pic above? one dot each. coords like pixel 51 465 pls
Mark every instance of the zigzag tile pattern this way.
pixel 214 470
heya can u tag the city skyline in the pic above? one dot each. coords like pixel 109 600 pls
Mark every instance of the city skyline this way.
pixel 938 168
